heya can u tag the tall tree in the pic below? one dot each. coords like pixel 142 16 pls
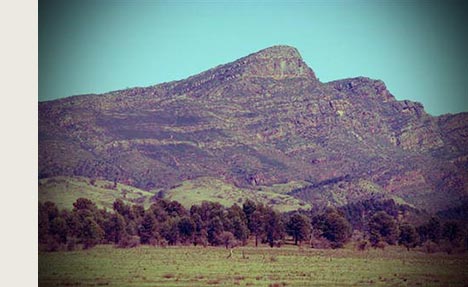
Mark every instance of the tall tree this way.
pixel 58 229
pixel 333 226
pixel 215 228
pixel 170 230
pixel 146 230
pixel 434 230
pixel 124 209
pixel 236 223
pixel 274 227
pixel 257 224
pixel 452 231
pixel 409 237
pixel 114 228
pixel 91 233
pixel 298 227
pixel 175 209
pixel 383 227
pixel 43 218
pixel 186 229
pixel 249 208
pixel 84 204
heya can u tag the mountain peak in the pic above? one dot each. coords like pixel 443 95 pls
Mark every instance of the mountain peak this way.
pixel 279 51
pixel 276 62
pixel 279 62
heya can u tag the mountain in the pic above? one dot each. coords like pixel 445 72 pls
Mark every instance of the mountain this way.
pixel 260 121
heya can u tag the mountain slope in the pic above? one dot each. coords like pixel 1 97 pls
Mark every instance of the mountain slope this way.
pixel 261 120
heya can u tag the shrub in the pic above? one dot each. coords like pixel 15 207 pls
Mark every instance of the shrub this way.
pixel 52 244
pixel 430 247
pixel 129 242
pixel 201 239
pixel 71 244
pixel 380 245
pixel 362 245
pixel 168 276
pixel 320 243
pixel 228 239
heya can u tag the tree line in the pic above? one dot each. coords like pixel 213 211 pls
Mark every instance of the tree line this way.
pixel 167 222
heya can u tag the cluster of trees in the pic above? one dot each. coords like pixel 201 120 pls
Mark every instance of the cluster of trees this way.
pixel 163 223
pixel 169 223
pixel 433 235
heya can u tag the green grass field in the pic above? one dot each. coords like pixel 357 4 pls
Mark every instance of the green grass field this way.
pixel 263 266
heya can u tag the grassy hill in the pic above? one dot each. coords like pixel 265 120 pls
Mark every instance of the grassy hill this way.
pixel 64 190
pixel 211 189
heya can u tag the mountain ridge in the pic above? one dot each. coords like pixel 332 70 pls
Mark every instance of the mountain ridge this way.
pixel 254 122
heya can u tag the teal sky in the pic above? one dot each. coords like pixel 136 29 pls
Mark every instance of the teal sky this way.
pixel 418 48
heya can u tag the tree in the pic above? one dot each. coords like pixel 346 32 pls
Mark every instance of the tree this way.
pixel 236 223
pixel 249 208
pixel 175 209
pixel 240 230
pixel 274 228
pixel 215 227
pixel 50 210
pixel 146 230
pixel 422 232
pixel 200 233
pixel 124 209
pixel 298 227
pixel 334 227
pixel 170 230
pixel 74 223
pixel 409 237
pixel 138 211
pixel 47 212
pixel 84 204
pixel 201 238
pixel 58 229
pixel 452 231
pixel 257 225
pixel 383 227
pixel 43 221
pixel 91 233
pixel 227 239
pixel 114 228
pixel 164 208
pixel 159 211
pixel 186 229
pixel 434 230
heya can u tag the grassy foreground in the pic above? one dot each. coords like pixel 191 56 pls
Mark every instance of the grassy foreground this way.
pixel 263 266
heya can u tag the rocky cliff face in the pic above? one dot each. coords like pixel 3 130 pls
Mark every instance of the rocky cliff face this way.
pixel 261 120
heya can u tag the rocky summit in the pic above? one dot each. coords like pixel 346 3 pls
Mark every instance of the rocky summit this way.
pixel 262 120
